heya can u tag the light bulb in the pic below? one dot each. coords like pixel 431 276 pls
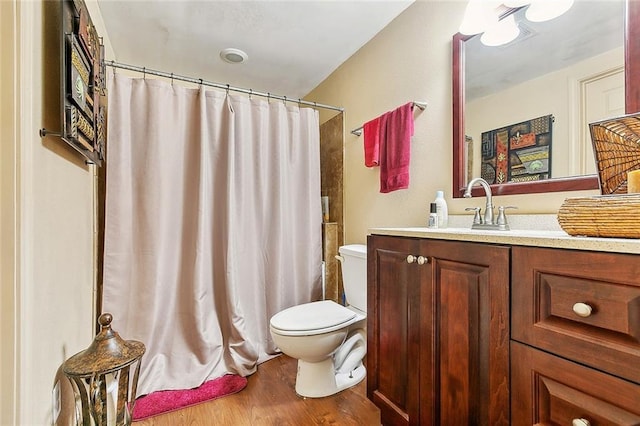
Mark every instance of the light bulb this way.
pixel 478 16
pixel 505 31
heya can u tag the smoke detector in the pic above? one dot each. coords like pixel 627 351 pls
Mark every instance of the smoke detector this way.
pixel 233 56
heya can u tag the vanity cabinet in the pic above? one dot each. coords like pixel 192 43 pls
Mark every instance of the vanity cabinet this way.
pixel 576 337
pixel 500 333
pixel 438 331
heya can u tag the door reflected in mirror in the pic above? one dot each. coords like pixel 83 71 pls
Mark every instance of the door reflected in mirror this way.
pixel 571 68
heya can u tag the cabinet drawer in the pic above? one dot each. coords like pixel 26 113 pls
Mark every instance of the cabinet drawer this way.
pixel 549 390
pixel 584 306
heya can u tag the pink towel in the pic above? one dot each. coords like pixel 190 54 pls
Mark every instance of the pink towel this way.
pixel 372 142
pixel 395 148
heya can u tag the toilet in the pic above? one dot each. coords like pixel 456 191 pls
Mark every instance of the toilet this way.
pixel 328 340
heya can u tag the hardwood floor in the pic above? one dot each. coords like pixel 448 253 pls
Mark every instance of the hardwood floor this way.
pixel 270 399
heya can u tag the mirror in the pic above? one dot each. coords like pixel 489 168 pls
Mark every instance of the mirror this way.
pixel 466 165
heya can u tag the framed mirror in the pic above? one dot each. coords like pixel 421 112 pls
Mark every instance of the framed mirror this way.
pixel 469 132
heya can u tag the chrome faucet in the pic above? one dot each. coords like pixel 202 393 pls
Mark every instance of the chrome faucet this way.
pixel 488 210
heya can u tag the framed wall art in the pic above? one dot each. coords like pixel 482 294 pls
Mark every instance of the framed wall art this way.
pixel 83 86
pixel 518 152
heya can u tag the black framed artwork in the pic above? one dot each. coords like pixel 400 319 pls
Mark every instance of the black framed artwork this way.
pixel 518 152
pixel 83 86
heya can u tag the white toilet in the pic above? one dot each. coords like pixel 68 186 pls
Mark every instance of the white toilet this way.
pixel 328 339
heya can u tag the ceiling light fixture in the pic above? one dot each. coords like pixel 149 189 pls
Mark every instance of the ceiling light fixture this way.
pixel 233 56
pixel 483 16
pixel 516 3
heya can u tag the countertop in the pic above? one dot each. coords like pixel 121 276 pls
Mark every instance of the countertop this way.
pixel 543 236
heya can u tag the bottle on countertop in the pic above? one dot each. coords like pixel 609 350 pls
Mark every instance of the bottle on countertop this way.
pixel 433 216
pixel 441 209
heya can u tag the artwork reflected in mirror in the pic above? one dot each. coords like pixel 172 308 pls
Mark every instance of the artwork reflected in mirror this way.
pixel 519 152
pixel 571 68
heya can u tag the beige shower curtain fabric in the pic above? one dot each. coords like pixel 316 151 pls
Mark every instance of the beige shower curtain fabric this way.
pixel 213 224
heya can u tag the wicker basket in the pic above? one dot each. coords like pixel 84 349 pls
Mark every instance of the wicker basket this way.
pixel 616 147
pixel 601 216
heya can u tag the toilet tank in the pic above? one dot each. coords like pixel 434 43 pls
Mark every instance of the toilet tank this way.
pixel 354 274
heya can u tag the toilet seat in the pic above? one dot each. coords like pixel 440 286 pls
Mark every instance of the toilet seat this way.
pixel 312 318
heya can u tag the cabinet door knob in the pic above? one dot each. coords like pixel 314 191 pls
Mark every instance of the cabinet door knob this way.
pixel 582 309
pixel 411 258
pixel 580 422
pixel 422 260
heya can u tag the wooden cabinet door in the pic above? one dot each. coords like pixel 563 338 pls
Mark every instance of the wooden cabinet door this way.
pixel 438 332
pixel 467 376
pixel 549 390
pixel 392 327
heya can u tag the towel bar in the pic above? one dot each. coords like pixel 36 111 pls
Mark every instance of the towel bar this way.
pixel 421 105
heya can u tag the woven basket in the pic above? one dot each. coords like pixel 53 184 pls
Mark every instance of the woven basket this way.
pixel 601 216
pixel 616 147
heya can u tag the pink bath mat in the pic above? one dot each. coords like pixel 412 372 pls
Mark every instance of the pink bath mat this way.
pixel 161 402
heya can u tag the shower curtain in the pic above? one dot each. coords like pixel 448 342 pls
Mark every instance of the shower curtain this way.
pixel 213 224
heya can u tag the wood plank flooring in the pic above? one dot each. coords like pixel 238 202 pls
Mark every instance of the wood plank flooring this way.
pixel 270 399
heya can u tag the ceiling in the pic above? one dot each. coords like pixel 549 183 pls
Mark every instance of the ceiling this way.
pixel 292 45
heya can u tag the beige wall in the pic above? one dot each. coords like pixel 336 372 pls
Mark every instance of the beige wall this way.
pixel 7 215
pixel 46 225
pixel 408 60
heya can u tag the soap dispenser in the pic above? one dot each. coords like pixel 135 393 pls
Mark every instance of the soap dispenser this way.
pixel 433 216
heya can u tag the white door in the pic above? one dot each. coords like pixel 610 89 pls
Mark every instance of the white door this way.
pixel 602 98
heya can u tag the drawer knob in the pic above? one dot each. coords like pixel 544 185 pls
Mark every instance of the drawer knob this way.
pixel 582 309
pixel 422 260
pixel 411 258
pixel 580 422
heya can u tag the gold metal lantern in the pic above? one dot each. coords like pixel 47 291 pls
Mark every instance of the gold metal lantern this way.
pixel 101 377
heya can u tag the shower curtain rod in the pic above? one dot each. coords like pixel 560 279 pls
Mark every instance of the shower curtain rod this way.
pixel 227 87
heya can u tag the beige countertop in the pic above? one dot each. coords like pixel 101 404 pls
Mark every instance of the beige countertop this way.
pixel 548 237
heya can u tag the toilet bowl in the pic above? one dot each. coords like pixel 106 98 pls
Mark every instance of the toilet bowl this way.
pixel 328 339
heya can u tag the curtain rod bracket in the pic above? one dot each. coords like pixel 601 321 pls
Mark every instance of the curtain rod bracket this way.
pixel 44 132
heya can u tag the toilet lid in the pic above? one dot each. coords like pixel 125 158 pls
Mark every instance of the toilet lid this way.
pixel 312 316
